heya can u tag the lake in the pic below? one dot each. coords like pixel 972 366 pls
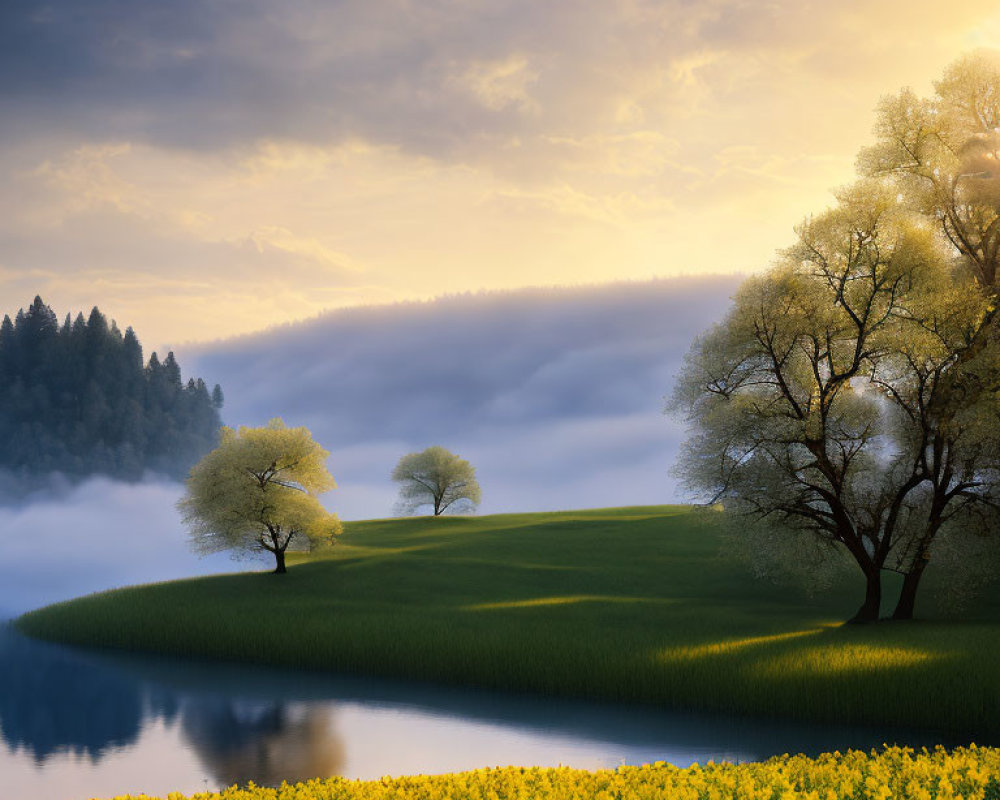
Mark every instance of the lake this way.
pixel 76 724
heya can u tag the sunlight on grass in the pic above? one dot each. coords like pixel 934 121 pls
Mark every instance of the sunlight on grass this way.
pixel 732 645
pixel 841 659
pixel 535 602
pixel 343 552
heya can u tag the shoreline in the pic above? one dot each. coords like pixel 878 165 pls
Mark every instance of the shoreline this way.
pixel 639 596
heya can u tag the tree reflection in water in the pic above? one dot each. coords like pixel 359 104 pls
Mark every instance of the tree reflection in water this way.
pixel 54 701
pixel 264 742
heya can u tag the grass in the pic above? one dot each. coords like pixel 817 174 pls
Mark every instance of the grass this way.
pixel 631 605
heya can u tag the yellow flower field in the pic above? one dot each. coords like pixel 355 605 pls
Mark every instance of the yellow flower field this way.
pixel 972 772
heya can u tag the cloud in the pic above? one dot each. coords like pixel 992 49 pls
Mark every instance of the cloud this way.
pixel 499 84
pixel 217 167
pixel 432 76
pixel 309 249
pixel 554 395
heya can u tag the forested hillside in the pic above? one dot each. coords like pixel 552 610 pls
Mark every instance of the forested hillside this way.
pixel 78 398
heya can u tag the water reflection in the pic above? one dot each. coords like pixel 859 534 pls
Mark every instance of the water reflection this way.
pixel 264 742
pixel 81 724
pixel 53 701
pixel 62 702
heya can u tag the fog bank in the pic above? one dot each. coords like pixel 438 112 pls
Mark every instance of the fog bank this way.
pixel 97 535
pixel 555 395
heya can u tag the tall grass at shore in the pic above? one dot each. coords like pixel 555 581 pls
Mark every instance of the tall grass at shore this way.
pixel 636 605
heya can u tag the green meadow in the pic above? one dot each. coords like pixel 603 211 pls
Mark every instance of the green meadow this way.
pixel 635 605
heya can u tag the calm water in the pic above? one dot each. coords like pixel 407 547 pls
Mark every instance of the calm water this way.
pixel 78 724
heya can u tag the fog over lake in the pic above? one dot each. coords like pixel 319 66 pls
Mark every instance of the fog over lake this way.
pixel 97 535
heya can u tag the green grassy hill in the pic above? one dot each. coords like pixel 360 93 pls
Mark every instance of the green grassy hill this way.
pixel 632 604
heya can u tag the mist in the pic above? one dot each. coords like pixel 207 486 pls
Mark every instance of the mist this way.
pixel 64 542
pixel 555 395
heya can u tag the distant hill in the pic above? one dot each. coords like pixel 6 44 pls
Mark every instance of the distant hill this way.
pixel 79 399
pixel 554 395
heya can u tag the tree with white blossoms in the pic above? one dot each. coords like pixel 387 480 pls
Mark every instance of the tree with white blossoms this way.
pixel 437 478
pixel 257 492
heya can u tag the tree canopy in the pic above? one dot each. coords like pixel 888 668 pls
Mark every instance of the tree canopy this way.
pixel 256 492
pixel 77 398
pixel 437 478
pixel 850 397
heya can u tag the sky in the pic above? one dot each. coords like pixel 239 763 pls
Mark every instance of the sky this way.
pixel 205 168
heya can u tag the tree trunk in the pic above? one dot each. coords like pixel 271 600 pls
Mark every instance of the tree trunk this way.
pixel 868 612
pixel 279 562
pixel 908 594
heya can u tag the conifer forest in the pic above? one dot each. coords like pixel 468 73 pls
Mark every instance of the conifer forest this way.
pixel 79 398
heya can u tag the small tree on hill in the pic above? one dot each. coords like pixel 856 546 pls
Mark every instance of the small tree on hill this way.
pixel 437 478
pixel 256 492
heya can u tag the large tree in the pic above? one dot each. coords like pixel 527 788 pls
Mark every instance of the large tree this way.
pixel 825 405
pixel 256 492
pixel 437 478
pixel 935 358
pixel 942 155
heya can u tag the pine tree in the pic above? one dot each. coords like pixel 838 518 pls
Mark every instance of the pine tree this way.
pixel 7 345
pixel 78 399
